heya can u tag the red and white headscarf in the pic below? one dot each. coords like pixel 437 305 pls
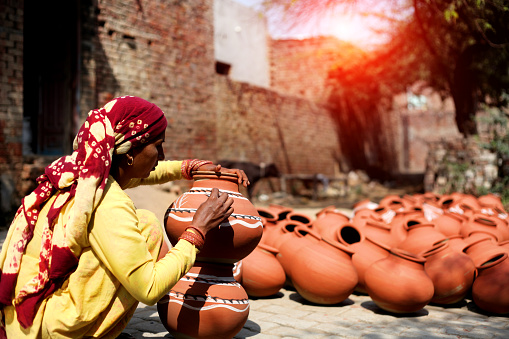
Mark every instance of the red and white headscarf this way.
pixel 120 125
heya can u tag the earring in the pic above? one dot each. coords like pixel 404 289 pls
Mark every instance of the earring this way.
pixel 130 160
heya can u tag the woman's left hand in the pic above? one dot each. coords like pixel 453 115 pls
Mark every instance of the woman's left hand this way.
pixel 243 180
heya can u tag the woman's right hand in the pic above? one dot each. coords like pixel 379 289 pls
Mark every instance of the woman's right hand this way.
pixel 213 211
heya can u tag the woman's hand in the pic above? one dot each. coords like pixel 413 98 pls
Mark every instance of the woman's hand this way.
pixel 216 209
pixel 243 180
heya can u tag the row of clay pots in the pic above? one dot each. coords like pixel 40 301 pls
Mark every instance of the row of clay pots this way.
pixel 405 252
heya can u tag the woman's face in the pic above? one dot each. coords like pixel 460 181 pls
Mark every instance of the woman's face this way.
pixel 147 157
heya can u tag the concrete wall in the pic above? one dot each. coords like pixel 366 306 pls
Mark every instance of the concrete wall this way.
pixel 241 40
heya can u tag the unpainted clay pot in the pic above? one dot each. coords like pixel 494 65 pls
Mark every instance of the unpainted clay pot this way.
pixel 323 272
pixel 366 252
pixel 421 237
pixel 399 283
pixel 262 274
pixel 490 290
pixel 452 273
pixel 206 303
pixel 236 237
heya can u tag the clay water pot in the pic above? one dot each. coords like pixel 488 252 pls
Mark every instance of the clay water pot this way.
pixel 378 231
pixel 262 274
pixel 269 221
pixel 379 214
pixel 421 237
pixel 456 243
pixel 398 225
pixel 323 272
pixel 301 237
pixel 452 273
pixel 348 234
pixel 280 211
pixel 491 201
pixel 393 202
pixel 488 224
pixel 366 252
pixel 449 224
pixel 399 283
pixel 364 204
pixel 284 231
pixel 206 303
pixel 481 249
pixel 236 237
pixel 490 290
pixel 237 271
pixel 300 217
pixel 328 222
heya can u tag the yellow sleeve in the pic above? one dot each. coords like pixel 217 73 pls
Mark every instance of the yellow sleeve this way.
pixel 165 171
pixel 116 239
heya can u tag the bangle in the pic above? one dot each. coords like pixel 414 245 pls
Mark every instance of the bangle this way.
pixel 193 238
pixel 190 165
pixel 197 230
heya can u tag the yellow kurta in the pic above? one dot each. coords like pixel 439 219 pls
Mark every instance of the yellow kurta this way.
pixel 116 270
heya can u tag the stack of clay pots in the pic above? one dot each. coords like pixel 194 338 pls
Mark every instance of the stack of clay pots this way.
pixel 404 252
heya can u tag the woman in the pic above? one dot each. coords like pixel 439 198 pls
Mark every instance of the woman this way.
pixel 78 256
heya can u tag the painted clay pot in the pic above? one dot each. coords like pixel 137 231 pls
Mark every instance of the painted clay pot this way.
pixel 490 290
pixel 206 303
pixel 452 273
pixel 366 252
pixel 449 224
pixel 421 237
pixel 301 237
pixel 235 238
pixel 262 274
pixel 323 272
pixel 399 283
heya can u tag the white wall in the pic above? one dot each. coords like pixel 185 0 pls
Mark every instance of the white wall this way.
pixel 241 40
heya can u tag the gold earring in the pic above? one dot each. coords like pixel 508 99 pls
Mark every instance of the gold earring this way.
pixel 130 160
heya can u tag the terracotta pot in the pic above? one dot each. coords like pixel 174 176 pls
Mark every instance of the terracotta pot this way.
pixel 380 214
pixel 237 271
pixel 452 273
pixel 269 221
pixel 481 249
pixel 366 252
pixel 301 237
pixel 491 201
pixel 457 243
pixel 449 223
pixel 398 225
pixel 323 272
pixel 280 211
pixel 490 290
pixel 364 204
pixel 348 234
pixel 378 231
pixel 206 303
pixel 393 202
pixel 488 224
pixel 420 238
pixel 285 229
pixel 328 222
pixel 300 217
pixel 235 238
pixel 398 283
pixel 262 274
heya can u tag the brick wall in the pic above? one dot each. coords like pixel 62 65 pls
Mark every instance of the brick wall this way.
pixel 261 125
pixel 300 67
pixel 11 98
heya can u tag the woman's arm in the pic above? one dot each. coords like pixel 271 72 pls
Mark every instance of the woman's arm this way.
pixel 165 171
